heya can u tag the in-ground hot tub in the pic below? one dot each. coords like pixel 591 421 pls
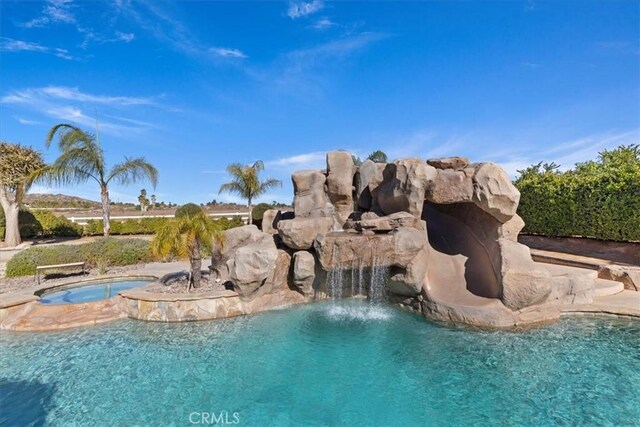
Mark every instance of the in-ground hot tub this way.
pixel 98 290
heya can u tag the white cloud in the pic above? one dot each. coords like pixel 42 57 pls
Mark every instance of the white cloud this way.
pixel 125 37
pixel 227 52
pixel 54 12
pixel 313 160
pixel 11 45
pixel 27 121
pixel 33 95
pixel 299 9
pixel 323 24
pixel 68 104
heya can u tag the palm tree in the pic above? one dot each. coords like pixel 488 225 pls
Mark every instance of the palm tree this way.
pixel 82 159
pixel 245 182
pixel 185 236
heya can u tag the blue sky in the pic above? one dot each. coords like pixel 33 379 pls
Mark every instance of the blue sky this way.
pixel 196 85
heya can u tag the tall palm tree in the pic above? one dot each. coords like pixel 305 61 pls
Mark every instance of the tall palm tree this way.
pixel 186 236
pixel 82 160
pixel 245 182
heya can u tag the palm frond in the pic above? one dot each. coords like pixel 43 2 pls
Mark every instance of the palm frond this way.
pixel 258 166
pixel 268 185
pixel 132 171
pixel 232 187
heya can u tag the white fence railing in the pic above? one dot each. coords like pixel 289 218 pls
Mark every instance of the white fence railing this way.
pixel 83 220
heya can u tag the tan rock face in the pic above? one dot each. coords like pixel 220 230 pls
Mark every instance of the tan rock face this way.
pixel 271 217
pixel 368 177
pixel 340 172
pixel 451 186
pixel 246 259
pixel 299 233
pixel 404 185
pixel 629 276
pixel 304 271
pixel 512 228
pixel 523 283
pixel 310 199
pixel 449 163
pixel 493 191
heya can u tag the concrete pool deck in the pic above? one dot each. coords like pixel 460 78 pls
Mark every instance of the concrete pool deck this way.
pixel 21 310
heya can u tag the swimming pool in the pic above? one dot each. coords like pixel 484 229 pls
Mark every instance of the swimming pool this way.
pixel 347 363
pixel 90 291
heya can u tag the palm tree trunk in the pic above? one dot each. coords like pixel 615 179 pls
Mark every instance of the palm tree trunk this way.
pixel 104 193
pixel 250 212
pixel 196 264
pixel 12 230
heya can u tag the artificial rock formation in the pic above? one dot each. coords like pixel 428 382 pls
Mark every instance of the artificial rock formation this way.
pixel 440 235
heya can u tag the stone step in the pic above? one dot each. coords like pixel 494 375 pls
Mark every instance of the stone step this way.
pixel 607 287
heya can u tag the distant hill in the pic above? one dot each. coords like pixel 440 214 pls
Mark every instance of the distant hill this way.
pixel 59 201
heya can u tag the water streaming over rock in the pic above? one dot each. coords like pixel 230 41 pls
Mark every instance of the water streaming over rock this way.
pixel 367 277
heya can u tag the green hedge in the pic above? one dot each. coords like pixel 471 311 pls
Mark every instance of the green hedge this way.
pixel 42 224
pixel 145 226
pixel 106 252
pixel 598 198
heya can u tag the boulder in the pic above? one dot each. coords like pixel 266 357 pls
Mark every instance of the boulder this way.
pixel 572 288
pixel 451 186
pixel 385 224
pixel 629 276
pixel 246 259
pixel 270 219
pixel 368 177
pixel 310 199
pixel 493 191
pixel 340 171
pixel 299 233
pixel 279 277
pixel 404 185
pixel 304 272
pixel 512 228
pixel 449 163
pixel 523 282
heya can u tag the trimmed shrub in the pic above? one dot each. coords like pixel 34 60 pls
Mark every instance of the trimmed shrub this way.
pixel 105 252
pixel 53 225
pixel 598 199
pixel 189 209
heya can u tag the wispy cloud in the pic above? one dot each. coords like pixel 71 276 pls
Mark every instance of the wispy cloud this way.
pixel 32 95
pixel 313 160
pixel 566 153
pixel 12 45
pixel 531 64
pixel 162 23
pixel 27 121
pixel 53 12
pixel 323 24
pixel 125 37
pixel 68 104
pixel 227 53
pixel 299 9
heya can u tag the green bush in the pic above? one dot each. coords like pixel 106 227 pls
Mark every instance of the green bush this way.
pixel 598 199
pixel 102 252
pixel 145 226
pixel 189 209
pixel 53 225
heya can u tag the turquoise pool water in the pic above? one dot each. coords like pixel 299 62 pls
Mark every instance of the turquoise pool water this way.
pixel 90 292
pixel 323 364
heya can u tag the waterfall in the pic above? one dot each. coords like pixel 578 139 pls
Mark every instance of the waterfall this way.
pixel 370 281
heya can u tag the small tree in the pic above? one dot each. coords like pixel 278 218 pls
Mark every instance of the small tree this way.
pixel 186 236
pixel 245 182
pixel 142 199
pixel 18 164
pixel 378 156
pixel 82 160
pixel 153 201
